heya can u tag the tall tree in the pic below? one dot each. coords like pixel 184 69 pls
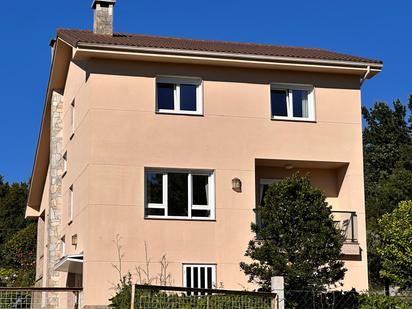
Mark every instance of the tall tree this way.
pixel 297 238
pixel 387 141
pixel 13 198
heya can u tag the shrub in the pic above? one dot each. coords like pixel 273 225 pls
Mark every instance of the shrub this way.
pixel 381 302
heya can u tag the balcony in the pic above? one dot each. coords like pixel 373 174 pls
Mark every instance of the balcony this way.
pixel 347 222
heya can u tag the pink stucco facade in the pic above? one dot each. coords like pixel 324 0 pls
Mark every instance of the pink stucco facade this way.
pixel 118 134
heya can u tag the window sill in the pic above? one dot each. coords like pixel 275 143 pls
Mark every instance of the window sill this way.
pixel 179 219
pixel 171 112
pixel 293 119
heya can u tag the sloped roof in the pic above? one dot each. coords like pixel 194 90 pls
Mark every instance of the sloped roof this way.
pixel 76 37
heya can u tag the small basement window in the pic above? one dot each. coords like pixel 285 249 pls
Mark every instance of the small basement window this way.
pixel 292 102
pixel 201 276
pixel 179 95
pixel 179 194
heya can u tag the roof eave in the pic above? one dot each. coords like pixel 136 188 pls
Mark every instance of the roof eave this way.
pixel 357 68
pixel 41 159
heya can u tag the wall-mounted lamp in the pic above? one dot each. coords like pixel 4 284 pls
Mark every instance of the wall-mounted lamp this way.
pixel 237 185
pixel 288 166
pixel 74 240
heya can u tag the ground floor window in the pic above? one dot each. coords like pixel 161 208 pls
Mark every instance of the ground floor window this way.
pixel 180 194
pixel 200 276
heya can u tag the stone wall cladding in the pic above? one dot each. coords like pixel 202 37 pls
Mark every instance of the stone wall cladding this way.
pixel 55 198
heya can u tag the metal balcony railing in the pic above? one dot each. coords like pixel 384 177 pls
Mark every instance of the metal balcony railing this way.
pixel 347 222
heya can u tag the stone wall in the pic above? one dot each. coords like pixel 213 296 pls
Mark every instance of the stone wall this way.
pixel 103 19
pixel 55 197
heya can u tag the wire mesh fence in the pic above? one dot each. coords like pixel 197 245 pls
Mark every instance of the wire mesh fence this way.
pixel 155 297
pixel 312 299
pixel 38 298
pixel 304 299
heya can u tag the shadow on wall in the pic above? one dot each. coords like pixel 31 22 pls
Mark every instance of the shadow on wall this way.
pixel 215 73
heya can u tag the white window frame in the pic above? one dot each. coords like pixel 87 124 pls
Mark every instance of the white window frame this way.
pixel 64 163
pixel 71 204
pixel 177 81
pixel 192 266
pixel 289 101
pixel 191 206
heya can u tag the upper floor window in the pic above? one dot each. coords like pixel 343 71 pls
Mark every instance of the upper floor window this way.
pixel 292 102
pixel 179 95
pixel 179 194
pixel 72 124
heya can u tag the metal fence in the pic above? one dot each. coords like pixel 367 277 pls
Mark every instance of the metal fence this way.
pixel 305 299
pixel 311 299
pixel 38 298
pixel 162 297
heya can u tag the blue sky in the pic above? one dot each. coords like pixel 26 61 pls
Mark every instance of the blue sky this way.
pixel 370 28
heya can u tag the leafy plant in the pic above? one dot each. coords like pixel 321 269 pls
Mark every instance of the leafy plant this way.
pixel 396 250
pixel 381 302
pixel 297 238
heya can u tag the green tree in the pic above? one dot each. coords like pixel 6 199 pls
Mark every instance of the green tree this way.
pixel 396 250
pixel 17 236
pixel 297 238
pixel 387 141
pixel 19 254
pixel 13 198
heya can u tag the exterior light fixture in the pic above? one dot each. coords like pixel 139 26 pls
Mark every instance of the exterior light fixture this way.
pixel 237 185
pixel 74 240
pixel 288 166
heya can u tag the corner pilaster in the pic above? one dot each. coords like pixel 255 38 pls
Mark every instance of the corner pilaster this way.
pixel 55 197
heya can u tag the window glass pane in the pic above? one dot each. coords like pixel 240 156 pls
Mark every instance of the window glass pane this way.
pixel 209 278
pixel 177 194
pixel 188 277
pixel 188 97
pixel 154 188
pixel 263 188
pixel 279 103
pixel 165 96
pixel 300 103
pixel 154 212
pixel 201 213
pixel 195 277
pixel 200 189
pixel 202 278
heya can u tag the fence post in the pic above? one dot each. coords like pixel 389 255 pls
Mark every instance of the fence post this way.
pixel 132 298
pixel 278 286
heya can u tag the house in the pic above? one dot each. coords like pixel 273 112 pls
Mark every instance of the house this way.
pixel 153 146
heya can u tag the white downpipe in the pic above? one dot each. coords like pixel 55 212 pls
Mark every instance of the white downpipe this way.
pixel 368 70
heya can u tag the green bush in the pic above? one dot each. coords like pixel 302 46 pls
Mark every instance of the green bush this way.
pixel 382 302
pixel 122 298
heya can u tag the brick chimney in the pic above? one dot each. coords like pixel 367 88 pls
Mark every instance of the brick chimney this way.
pixel 103 16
